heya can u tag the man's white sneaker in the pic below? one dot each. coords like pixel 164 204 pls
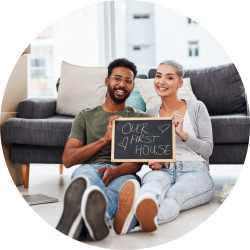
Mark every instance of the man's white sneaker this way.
pixel 126 206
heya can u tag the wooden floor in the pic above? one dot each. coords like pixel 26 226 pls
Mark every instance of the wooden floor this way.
pixel 48 181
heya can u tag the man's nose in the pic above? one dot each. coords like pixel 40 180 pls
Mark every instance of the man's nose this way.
pixel 122 83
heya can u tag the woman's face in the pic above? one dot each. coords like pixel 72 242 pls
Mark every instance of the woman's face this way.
pixel 167 81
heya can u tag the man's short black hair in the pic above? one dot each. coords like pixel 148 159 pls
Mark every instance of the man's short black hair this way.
pixel 122 62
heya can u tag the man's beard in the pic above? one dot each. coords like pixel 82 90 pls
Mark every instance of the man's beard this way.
pixel 116 99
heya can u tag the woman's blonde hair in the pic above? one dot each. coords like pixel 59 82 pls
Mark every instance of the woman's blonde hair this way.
pixel 176 65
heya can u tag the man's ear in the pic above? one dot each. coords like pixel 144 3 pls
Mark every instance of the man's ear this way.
pixel 106 81
pixel 133 85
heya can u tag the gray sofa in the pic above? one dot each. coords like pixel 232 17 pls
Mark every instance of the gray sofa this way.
pixel 38 133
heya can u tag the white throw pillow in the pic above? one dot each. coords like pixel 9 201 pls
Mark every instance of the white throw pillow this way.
pixel 146 88
pixel 186 91
pixel 80 87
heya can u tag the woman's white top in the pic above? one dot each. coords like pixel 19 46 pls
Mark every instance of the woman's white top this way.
pixel 183 152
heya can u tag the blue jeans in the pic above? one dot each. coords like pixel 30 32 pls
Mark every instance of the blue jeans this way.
pixel 183 186
pixel 111 192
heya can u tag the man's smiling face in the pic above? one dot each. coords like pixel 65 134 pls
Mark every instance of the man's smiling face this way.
pixel 120 84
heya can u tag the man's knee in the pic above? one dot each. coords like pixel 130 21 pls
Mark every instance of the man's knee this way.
pixel 86 171
pixel 117 183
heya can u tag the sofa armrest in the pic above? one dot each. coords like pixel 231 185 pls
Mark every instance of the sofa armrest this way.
pixel 36 108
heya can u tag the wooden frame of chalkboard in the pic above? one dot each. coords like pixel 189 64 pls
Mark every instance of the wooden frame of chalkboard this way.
pixel 136 133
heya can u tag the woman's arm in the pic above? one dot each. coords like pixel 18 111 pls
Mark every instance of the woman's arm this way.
pixel 203 144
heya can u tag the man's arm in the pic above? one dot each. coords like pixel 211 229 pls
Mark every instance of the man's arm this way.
pixel 110 174
pixel 75 152
pixel 128 168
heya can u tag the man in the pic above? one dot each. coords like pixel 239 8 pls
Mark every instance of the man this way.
pixel 91 199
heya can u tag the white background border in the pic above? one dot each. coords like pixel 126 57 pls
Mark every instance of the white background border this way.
pixel 21 21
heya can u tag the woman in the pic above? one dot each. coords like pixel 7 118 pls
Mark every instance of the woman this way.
pixel 171 188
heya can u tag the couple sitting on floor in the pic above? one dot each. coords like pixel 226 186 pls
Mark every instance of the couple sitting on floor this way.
pixel 102 194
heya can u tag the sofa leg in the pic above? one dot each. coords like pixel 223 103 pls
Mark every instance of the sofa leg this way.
pixel 25 175
pixel 61 169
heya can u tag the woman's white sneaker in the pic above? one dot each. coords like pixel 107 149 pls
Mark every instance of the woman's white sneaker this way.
pixel 146 213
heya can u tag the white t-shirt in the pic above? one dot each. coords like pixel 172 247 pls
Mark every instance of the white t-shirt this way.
pixel 183 152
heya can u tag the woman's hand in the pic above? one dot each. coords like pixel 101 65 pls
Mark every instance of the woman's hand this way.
pixel 155 165
pixel 178 124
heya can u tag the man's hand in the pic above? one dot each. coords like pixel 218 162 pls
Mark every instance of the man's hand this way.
pixel 109 174
pixel 108 135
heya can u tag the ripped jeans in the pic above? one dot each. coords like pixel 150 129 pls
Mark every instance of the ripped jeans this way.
pixel 182 186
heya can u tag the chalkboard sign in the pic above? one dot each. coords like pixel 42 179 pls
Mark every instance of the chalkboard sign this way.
pixel 143 140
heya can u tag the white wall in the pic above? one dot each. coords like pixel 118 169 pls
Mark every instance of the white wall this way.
pixel 80 39
pixel 141 33
pixel 120 28
pixel 172 35
pixel 76 38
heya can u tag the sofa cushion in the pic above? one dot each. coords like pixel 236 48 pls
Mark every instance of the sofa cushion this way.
pixel 146 88
pixel 80 87
pixel 36 154
pixel 220 88
pixel 37 108
pixel 52 131
pixel 230 128
pixel 229 154
pixel 136 101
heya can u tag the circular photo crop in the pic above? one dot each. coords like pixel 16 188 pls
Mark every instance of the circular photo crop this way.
pixel 124 125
